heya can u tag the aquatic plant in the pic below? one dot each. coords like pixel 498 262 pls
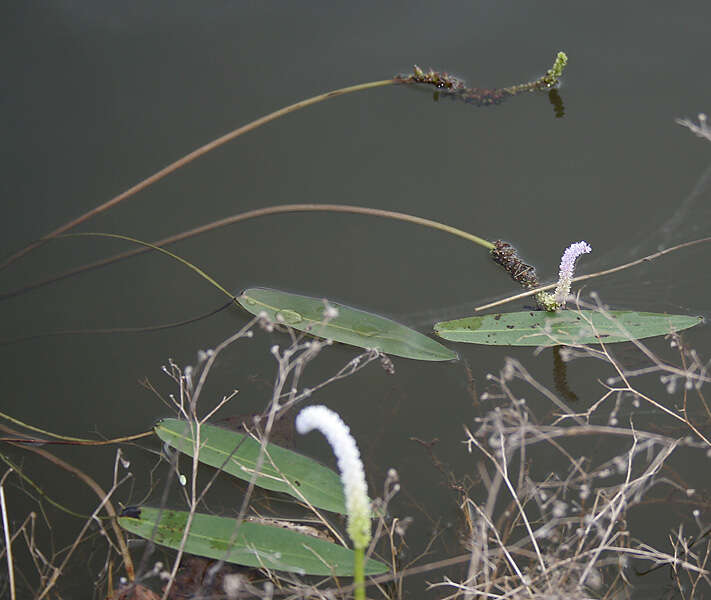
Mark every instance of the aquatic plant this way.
pixel 552 302
pixel 452 86
pixel 441 81
pixel 505 254
pixel 564 546
pixel 338 434
pixel 352 475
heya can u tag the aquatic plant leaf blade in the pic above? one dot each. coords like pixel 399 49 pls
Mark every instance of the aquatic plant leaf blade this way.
pixel 569 327
pixel 236 454
pixel 351 326
pixel 255 545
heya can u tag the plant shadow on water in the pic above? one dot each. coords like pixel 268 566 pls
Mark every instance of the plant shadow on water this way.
pixel 539 511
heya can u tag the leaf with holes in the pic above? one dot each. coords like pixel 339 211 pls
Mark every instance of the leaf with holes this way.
pixel 571 327
pixel 255 545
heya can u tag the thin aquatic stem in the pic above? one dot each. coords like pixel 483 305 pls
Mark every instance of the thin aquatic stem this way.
pixel 126 238
pixel 188 158
pixel 104 497
pixel 245 216
pixel 42 495
pixel 67 439
pixel 440 81
pixel 113 330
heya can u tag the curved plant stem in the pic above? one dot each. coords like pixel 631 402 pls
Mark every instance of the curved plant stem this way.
pixel 126 238
pixel 114 330
pixel 66 438
pixel 544 288
pixel 103 496
pixel 549 80
pixel 42 494
pixel 253 214
pixel 188 158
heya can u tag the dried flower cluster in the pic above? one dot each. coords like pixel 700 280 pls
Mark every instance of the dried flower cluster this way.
pixel 505 255
pixel 455 87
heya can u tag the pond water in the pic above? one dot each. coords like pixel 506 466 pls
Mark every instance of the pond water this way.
pixel 98 97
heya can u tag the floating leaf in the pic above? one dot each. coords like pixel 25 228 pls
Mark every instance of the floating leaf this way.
pixel 255 545
pixel 282 470
pixel 351 326
pixel 540 328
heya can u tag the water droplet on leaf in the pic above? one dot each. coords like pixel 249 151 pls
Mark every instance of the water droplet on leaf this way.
pixel 367 332
pixel 289 317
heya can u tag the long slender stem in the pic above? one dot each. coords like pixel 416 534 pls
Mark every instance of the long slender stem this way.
pixel 89 481
pixel 8 537
pixel 66 438
pixel 545 82
pixel 188 158
pixel 42 495
pixel 126 238
pixel 253 214
pixel 110 330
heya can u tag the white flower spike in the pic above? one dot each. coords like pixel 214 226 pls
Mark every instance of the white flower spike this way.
pixel 557 300
pixel 567 268
pixel 352 474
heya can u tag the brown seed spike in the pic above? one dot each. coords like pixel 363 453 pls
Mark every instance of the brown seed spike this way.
pixel 505 254
pixel 443 81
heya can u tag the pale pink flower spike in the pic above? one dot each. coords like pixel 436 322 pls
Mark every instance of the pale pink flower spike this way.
pixel 567 269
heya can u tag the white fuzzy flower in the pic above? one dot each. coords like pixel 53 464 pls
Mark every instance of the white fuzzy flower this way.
pixel 352 475
pixel 567 268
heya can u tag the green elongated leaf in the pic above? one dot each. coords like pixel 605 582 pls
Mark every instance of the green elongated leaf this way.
pixel 256 544
pixel 539 328
pixel 351 326
pixel 282 469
